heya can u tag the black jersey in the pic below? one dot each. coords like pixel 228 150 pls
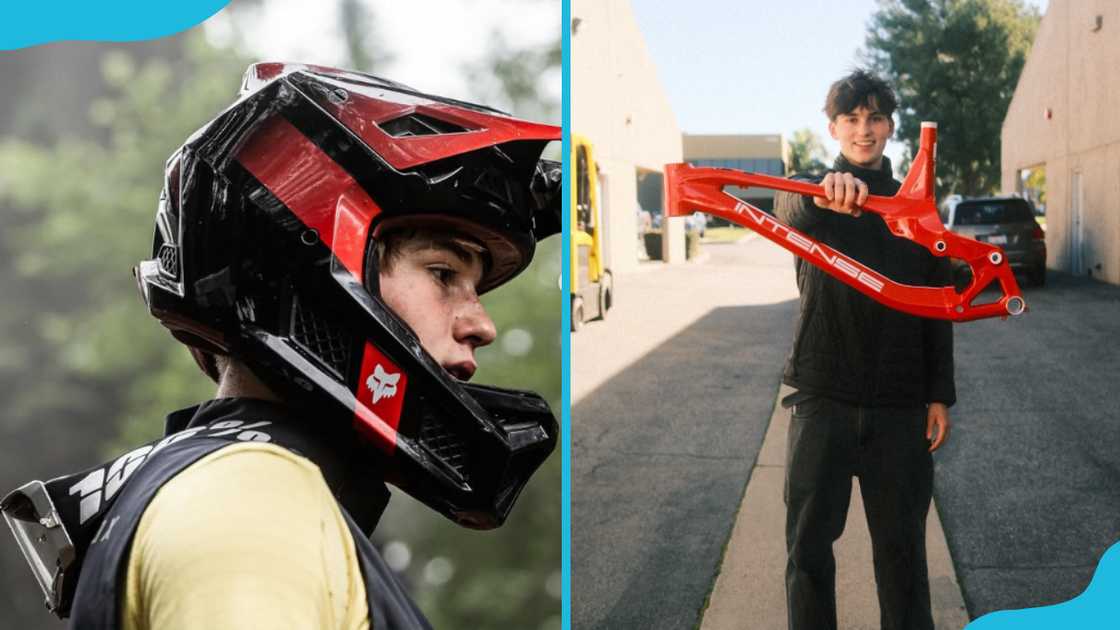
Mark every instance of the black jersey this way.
pixel 101 508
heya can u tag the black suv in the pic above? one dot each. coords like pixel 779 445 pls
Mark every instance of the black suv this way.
pixel 1005 221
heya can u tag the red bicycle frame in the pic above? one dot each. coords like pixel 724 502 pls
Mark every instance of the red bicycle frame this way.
pixel 910 213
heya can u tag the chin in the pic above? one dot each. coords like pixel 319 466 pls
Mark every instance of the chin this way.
pixel 865 161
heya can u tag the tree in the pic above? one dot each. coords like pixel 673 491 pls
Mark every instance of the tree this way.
pixel 513 78
pixel 806 152
pixel 955 62
pixel 1034 183
pixel 357 25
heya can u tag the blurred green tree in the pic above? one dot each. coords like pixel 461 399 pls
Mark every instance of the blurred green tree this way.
pixel 515 79
pixel 956 62
pixel 89 206
pixel 806 152
pixel 357 22
pixel 1035 183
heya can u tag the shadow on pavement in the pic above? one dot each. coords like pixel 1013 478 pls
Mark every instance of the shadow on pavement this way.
pixel 661 455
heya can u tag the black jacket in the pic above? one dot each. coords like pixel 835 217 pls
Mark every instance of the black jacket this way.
pixel 849 347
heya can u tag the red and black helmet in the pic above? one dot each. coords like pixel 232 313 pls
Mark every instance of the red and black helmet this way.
pixel 263 251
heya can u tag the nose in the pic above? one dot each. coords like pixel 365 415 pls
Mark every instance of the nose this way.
pixel 473 325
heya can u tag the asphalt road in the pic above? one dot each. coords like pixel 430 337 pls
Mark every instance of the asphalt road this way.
pixel 662 449
pixel 1029 483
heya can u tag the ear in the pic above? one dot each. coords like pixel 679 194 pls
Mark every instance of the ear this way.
pixel 832 129
pixel 207 362
pixel 891 119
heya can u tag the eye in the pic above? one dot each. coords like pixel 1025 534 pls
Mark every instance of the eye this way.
pixel 442 273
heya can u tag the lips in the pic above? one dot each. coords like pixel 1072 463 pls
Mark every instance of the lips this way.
pixel 462 370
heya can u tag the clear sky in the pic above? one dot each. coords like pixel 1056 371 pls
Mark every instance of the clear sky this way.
pixel 750 66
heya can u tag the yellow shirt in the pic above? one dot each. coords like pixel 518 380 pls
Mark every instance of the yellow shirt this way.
pixel 247 537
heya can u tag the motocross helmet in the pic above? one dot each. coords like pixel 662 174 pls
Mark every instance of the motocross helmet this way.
pixel 265 250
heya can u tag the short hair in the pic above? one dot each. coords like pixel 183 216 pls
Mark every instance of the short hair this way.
pixel 389 246
pixel 859 88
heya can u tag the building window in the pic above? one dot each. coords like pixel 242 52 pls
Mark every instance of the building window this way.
pixel 771 166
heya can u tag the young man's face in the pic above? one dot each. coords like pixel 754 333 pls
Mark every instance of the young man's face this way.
pixel 431 283
pixel 863 135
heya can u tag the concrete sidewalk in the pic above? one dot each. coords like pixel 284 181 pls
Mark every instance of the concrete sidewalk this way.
pixel 662 316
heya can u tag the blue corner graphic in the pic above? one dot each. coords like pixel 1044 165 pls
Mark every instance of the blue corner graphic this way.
pixel 26 23
pixel 1097 608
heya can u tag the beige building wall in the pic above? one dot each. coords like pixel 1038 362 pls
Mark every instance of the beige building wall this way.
pixel 619 105
pixel 765 146
pixel 1074 73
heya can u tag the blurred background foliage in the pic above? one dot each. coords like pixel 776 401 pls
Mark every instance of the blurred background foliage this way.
pixel 806 152
pixel 84 371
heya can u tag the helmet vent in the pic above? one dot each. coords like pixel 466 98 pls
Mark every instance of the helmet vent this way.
pixel 320 337
pixel 169 260
pixel 415 124
pixel 495 187
pixel 445 441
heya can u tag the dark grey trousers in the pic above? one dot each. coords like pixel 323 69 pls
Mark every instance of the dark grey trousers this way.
pixel 829 443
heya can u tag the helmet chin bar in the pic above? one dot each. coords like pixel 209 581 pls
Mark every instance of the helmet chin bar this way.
pixel 911 214
pixel 466 451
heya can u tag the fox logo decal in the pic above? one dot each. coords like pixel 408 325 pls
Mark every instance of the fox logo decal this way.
pixel 382 384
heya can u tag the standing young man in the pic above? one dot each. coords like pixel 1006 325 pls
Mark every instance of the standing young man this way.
pixel 320 247
pixel 873 385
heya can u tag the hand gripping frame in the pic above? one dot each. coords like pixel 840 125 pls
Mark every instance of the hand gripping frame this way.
pixel 911 213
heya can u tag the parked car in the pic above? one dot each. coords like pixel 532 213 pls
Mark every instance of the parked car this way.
pixel 695 222
pixel 947 206
pixel 1008 222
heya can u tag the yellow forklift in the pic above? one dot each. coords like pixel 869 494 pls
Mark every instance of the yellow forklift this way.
pixel 592 288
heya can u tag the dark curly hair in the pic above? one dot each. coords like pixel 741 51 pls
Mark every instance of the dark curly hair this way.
pixel 859 88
